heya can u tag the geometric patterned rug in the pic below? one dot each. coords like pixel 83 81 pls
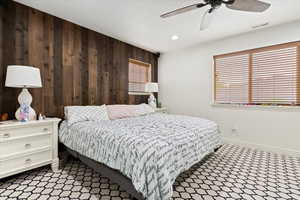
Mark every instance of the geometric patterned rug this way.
pixel 231 173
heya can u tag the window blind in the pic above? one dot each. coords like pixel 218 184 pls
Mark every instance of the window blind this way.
pixel 139 75
pixel 274 76
pixel 269 75
pixel 231 77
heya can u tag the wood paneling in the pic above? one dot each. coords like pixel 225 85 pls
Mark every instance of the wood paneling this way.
pixel 9 97
pixel 1 60
pixel 78 66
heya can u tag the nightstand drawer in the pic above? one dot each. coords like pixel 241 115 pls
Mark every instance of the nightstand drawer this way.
pixel 25 131
pixel 24 162
pixel 13 146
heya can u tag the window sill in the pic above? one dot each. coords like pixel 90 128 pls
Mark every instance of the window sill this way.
pixel 257 107
pixel 139 93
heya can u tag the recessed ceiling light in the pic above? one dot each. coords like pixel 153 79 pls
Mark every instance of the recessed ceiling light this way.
pixel 175 37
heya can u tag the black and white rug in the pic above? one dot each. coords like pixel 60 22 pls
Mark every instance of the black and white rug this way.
pixel 232 173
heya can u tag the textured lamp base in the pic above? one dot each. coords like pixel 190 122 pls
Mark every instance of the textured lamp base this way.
pixel 152 101
pixel 25 98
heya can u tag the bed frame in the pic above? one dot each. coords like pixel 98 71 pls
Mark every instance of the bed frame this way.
pixel 114 175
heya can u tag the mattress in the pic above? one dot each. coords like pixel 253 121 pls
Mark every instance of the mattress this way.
pixel 150 150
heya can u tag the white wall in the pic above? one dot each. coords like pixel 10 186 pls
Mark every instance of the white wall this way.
pixel 186 84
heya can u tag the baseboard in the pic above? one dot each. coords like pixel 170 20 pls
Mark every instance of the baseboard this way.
pixel 278 150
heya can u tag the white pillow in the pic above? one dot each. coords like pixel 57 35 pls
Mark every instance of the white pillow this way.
pixel 143 109
pixel 74 114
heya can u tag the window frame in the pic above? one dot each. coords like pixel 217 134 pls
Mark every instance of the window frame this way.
pixel 138 62
pixel 250 52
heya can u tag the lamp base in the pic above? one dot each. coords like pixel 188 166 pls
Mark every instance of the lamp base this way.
pixel 152 101
pixel 25 112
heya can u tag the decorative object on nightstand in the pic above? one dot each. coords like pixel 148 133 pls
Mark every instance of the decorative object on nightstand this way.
pixel 4 117
pixel 41 117
pixel 151 88
pixel 25 146
pixel 24 77
pixel 161 110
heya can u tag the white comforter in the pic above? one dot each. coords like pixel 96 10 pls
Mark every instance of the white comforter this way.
pixel 151 150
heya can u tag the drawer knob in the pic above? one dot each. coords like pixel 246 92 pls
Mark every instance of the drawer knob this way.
pixel 27 146
pixel 28 161
pixel 6 135
pixel 45 129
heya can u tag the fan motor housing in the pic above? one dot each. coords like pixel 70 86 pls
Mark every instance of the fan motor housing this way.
pixel 217 3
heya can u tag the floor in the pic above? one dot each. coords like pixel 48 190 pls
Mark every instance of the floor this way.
pixel 232 173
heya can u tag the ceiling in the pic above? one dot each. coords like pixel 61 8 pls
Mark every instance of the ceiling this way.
pixel 137 21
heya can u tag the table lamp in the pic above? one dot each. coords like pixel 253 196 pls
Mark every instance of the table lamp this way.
pixel 24 77
pixel 151 88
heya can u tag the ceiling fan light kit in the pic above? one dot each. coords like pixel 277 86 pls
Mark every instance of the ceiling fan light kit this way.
pixel 240 5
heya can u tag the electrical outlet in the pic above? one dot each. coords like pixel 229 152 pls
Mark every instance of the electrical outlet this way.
pixel 234 131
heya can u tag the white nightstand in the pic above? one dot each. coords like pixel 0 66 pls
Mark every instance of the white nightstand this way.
pixel 28 145
pixel 161 110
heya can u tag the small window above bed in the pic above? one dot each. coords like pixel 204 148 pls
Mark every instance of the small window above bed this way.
pixel 139 75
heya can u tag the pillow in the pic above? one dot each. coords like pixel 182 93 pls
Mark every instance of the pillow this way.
pixel 74 114
pixel 144 109
pixel 121 111
pixel 124 111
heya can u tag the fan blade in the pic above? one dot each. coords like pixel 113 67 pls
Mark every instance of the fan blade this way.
pixel 183 10
pixel 249 5
pixel 207 19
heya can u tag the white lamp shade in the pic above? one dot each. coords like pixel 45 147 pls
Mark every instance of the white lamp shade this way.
pixel 151 87
pixel 23 76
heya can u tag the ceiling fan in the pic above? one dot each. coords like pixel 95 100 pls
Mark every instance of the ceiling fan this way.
pixel 241 5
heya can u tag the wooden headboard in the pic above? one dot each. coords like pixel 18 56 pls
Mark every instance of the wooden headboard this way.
pixel 78 66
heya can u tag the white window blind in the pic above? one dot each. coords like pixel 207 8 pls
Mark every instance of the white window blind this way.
pixel 139 75
pixel 231 75
pixel 274 76
pixel 269 75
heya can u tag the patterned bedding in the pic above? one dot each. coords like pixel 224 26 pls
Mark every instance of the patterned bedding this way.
pixel 151 150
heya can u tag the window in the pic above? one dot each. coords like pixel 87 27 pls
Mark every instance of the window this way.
pixel 264 76
pixel 232 79
pixel 139 75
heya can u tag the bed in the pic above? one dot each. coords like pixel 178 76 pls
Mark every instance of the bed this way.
pixel 143 154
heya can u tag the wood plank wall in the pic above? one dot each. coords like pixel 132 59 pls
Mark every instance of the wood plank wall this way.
pixel 1 60
pixel 78 66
